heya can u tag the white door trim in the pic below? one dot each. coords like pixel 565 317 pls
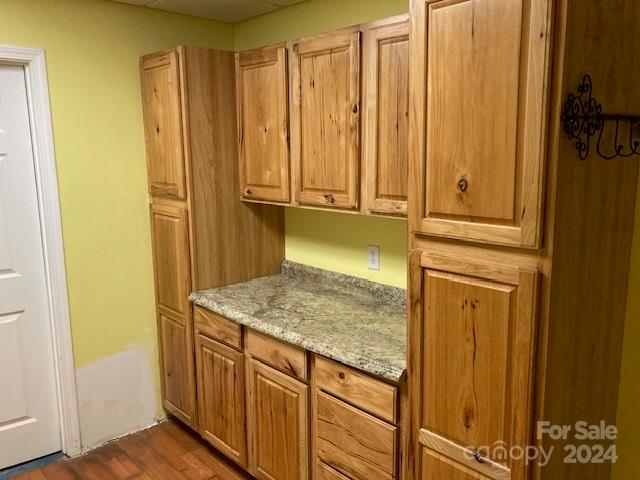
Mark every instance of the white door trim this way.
pixel 33 60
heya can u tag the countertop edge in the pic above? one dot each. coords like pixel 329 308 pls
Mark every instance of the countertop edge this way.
pixel 366 365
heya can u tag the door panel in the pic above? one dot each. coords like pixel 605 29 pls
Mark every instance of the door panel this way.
pixel 478 334
pixel 277 424
pixel 482 130
pixel 386 117
pixel 169 230
pixel 221 407
pixel 162 124
pixel 326 105
pixel 439 467
pixel 263 120
pixel 176 345
pixel 29 423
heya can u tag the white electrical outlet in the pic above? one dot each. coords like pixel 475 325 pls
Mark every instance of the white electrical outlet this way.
pixel 373 257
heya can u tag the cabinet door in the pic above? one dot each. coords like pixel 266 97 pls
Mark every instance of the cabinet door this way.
pixel 325 120
pixel 386 115
pixel 477 328
pixel 221 407
pixel 479 73
pixel 177 368
pixel 162 124
pixel 263 125
pixel 278 425
pixel 169 230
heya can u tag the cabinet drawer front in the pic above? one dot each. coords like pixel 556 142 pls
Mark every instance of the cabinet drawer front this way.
pixel 481 165
pixel 324 472
pixel 221 407
pixel 353 442
pixel 169 229
pixel 355 387
pixel 263 124
pixel 281 355
pixel 162 124
pixel 217 327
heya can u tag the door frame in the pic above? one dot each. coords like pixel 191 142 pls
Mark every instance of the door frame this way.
pixel 33 61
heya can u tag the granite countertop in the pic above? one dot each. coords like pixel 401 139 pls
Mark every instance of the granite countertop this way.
pixel 353 321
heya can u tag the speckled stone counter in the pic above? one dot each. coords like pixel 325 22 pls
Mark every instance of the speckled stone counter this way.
pixel 353 321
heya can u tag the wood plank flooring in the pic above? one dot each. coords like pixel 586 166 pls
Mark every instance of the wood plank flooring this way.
pixel 168 451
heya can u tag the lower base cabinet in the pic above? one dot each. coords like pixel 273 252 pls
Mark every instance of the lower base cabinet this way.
pixel 220 377
pixel 278 424
pixel 176 349
pixel 261 401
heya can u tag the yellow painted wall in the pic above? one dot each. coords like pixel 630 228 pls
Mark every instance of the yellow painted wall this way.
pixel 334 241
pixel 92 49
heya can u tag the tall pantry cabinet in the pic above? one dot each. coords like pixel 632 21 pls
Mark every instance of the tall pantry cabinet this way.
pixel 202 235
pixel 519 250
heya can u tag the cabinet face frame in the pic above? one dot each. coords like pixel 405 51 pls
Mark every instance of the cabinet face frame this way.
pixel 519 372
pixel 524 228
pixel 375 37
pixel 172 140
pixel 275 59
pixel 279 379
pixel 347 40
pixel 235 412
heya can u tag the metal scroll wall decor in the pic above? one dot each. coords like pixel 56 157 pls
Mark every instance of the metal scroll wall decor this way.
pixel 582 117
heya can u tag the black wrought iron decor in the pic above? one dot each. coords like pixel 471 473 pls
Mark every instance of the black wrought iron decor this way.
pixel 583 119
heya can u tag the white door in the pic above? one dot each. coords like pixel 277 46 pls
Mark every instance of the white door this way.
pixel 29 421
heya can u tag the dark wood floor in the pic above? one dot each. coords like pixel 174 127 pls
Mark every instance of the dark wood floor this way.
pixel 167 451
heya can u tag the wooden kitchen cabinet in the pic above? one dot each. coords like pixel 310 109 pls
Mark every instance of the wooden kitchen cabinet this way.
pixel 386 115
pixel 277 424
pixel 325 120
pixel 170 236
pixel 221 397
pixel 263 124
pixel 476 322
pixel 188 97
pixel 176 367
pixel 480 68
pixel 163 124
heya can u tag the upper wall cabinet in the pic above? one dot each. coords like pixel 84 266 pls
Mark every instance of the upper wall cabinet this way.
pixel 325 119
pixel 262 103
pixel 479 78
pixel 162 124
pixel 385 46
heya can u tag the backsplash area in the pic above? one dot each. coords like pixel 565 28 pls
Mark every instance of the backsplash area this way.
pixel 338 242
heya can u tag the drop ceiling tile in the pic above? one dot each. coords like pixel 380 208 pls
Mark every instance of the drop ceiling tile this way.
pixel 230 11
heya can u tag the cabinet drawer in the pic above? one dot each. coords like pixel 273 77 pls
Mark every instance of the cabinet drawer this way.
pixel 354 443
pixel 325 472
pixel 218 328
pixel 355 387
pixel 281 355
